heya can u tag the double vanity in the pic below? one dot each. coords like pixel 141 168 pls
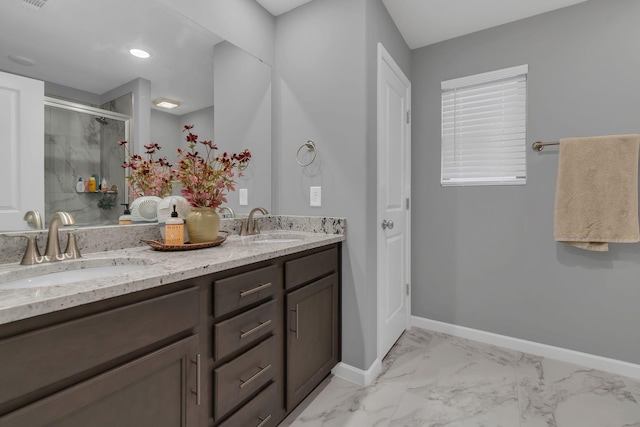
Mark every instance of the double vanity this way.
pixel 235 335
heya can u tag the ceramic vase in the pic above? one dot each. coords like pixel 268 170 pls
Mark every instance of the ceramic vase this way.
pixel 203 225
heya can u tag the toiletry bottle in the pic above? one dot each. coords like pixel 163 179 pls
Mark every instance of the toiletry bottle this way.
pixel 80 186
pixel 103 185
pixel 92 185
pixel 174 229
pixel 126 217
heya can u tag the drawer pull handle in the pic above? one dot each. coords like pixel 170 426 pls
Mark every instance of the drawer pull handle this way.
pixel 197 390
pixel 254 290
pixel 253 378
pixel 264 421
pixel 297 322
pixel 244 334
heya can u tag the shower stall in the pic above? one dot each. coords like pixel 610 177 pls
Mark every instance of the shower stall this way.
pixel 81 141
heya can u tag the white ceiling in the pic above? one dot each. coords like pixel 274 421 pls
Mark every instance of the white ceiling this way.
pixel 424 22
pixel 84 45
pixel 278 7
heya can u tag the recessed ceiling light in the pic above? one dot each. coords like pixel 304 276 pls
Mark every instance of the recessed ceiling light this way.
pixel 165 103
pixel 139 53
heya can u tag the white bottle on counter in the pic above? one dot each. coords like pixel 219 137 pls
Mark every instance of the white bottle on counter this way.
pixel 80 186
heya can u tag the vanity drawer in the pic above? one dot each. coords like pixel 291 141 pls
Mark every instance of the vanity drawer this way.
pixel 244 329
pixel 243 376
pixel 259 412
pixel 243 289
pixel 75 347
pixel 310 267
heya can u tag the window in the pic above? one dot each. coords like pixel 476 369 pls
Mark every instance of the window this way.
pixel 484 122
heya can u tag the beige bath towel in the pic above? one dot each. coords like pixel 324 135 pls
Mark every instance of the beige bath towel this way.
pixel 597 191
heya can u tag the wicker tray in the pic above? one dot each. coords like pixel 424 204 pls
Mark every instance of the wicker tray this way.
pixel 159 246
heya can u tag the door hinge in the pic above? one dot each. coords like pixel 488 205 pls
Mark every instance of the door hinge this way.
pixel 408 116
pixel 407 288
pixel 408 203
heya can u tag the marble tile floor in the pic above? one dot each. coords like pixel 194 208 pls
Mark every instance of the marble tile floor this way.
pixel 437 380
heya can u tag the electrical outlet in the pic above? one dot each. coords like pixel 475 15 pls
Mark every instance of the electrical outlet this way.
pixel 315 196
pixel 244 197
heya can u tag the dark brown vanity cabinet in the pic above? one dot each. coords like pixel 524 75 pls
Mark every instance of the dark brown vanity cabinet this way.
pixel 312 322
pixel 237 348
pixel 276 336
pixel 99 365
pixel 247 353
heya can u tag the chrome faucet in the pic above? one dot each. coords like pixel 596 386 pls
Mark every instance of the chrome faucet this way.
pixel 53 252
pixel 228 209
pixel 249 226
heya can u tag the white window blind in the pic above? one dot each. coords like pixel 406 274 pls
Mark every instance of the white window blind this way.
pixel 484 122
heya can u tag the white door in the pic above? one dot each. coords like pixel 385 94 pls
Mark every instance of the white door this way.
pixel 22 142
pixel 394 189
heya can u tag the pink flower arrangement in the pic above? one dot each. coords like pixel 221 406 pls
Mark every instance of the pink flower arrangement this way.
pixel 207 178
pixel 148 177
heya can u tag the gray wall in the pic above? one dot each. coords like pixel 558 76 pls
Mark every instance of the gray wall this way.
pixel 324 87
pixel 243 120
pixel 484 257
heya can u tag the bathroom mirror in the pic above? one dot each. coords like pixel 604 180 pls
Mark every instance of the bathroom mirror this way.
pixel 80 49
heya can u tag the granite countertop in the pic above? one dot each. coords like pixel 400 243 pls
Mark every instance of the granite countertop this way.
pixel 155 268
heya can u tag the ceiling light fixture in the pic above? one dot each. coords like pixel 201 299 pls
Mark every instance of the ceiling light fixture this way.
pixel 165 103
pixel 139 53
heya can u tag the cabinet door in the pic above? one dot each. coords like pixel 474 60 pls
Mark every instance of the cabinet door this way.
pixel 155 390
pixel 312 337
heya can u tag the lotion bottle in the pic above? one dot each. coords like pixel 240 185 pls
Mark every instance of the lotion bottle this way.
pixel 174 229
pixel 80 186
pixel 92 184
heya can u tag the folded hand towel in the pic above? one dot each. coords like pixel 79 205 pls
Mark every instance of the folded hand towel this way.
pixel 597 191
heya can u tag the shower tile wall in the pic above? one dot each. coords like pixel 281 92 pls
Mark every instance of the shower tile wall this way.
pixel 73 150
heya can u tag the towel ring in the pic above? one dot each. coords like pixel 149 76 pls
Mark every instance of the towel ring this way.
pixel 311 146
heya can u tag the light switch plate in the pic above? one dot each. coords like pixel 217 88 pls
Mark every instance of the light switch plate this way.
pixel 315 196
pixel 244 197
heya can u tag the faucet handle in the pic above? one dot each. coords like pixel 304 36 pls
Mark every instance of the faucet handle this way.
pixel 32 253
pixel 72 250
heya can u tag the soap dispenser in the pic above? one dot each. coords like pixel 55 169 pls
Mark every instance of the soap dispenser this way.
pixel 126 217
pixel 174 229
pixel 80 185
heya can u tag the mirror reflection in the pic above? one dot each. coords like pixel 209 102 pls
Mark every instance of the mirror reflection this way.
pixel 82 173
pixel 80 49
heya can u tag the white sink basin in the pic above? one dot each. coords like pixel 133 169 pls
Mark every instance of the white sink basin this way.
pixel 65 272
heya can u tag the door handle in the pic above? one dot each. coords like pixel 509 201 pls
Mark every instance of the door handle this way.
pixel 197 392
pixel 387 224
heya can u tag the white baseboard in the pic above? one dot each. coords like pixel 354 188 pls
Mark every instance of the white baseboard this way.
pixel 613 366
pixel 358 376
